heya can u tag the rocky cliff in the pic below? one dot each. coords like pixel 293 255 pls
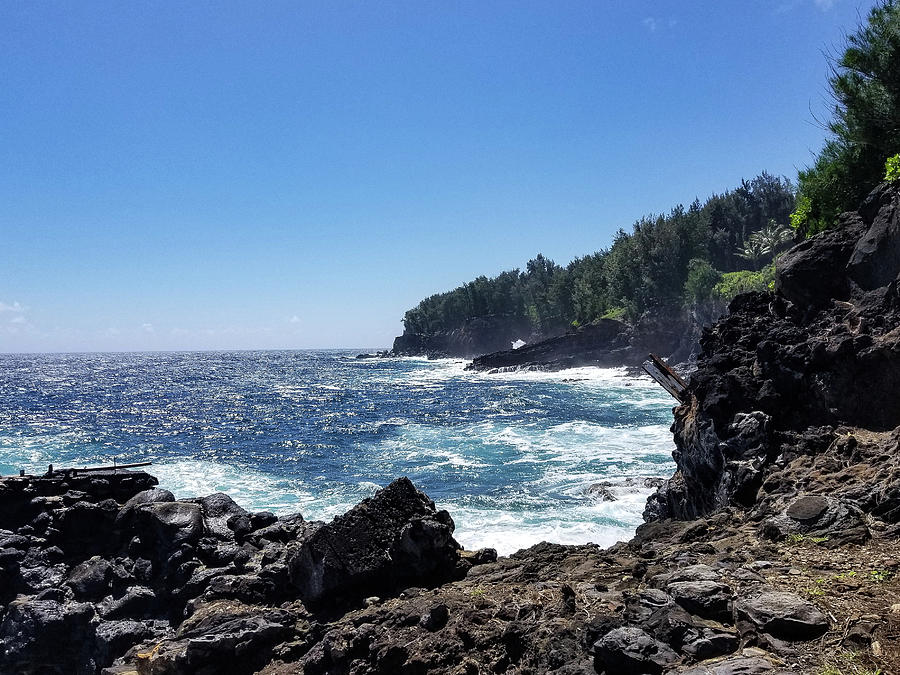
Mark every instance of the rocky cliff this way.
pixel 481 335
pixel 605 343
pixel 788 379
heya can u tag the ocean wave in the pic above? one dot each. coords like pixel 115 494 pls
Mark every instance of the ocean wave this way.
pixel 511 455
pixel 508 532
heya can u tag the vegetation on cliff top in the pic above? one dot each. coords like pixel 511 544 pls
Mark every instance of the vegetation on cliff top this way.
pixel 664 261
pixel 865 123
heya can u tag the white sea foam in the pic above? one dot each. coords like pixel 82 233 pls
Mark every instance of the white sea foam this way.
pixel 509 531
pixel 254 490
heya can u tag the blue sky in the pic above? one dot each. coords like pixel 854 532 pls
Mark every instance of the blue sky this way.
pixel 298 174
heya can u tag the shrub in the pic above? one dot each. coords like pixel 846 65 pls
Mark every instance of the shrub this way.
pixel 800 216
pixel 892 168
pixel 735 283
pixel 617 313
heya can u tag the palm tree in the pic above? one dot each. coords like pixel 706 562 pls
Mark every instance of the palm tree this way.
pixel 773 236
pixel 753 251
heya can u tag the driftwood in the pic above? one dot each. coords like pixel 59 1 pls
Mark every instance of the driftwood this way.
pixel 667 378
pixel 74 471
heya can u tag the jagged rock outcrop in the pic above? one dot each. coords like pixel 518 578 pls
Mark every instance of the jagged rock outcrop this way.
pixel 605 343
pixel 793 374
pixel 394 538
pixel 602 343
pixel 480 335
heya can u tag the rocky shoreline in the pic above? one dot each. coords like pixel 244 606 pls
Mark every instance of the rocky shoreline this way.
pixel 775 547
pixel 606 343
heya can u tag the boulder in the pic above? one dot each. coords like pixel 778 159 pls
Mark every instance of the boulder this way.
pixel 697 572
pixel 218 509
pixel 262 519
pixel 37 578
pixel 222 636
pixel 116 637
pixel 783 615
pixel 91 579
pixel 281 530
pixel 396 537
pixel 876 256
pixel 435 618
pixel 809 275
pixel 40 636
pixel 165 526
pixel 830 521
pixel 657 613
pixel 706 643
pixel 630 651
pixel 87 527
pixel 151 496
pixel 807 510
pixel 136 602
pixel 709 599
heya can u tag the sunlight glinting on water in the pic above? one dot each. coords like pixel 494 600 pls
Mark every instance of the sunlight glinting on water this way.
pixel 512 456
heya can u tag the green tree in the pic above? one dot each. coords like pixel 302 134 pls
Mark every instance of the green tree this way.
pixel 701 280
pixel 657 265
pixel 892 168
pixel 865 123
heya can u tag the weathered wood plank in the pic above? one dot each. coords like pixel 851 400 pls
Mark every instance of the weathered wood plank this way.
pixel 667 378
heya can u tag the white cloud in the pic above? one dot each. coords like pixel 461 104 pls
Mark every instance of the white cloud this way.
pixel 790 5
pixel 653 24
pixel 147 327
pixel 15 313
pixel 294 319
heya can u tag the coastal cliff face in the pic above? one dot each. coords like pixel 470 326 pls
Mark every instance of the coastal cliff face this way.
pixel 793 377
pixel 775 548
pixel 605 343
pixel 481 335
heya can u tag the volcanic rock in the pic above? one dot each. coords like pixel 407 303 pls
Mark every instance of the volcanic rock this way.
pixel 631 651
pixel 394 537
pixel 784 615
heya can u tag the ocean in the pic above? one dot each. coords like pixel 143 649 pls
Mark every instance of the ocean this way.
pixel 511 456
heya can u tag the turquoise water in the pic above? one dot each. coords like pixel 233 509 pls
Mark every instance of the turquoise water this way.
pixel 510 456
